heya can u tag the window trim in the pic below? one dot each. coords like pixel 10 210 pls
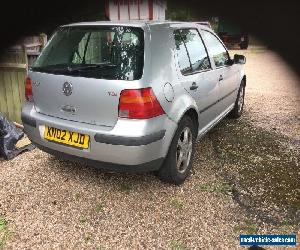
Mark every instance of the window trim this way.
pixel 221 42
pixel 188 54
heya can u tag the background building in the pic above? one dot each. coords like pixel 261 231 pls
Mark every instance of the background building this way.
pixel 135 10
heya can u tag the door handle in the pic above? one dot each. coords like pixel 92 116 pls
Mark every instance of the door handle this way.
pixel 220 78
pixel 194 86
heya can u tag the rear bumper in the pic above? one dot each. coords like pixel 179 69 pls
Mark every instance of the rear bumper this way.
pixel 129 140
pixel 131 145
pixel 107 166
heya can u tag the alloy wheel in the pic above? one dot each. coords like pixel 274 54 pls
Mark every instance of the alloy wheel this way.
pixel 241 100
pixel 184 149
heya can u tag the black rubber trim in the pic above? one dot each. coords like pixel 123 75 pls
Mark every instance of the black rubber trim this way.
pixel 106 166
pixel 28 120
pixel 130 141
pixel 209 106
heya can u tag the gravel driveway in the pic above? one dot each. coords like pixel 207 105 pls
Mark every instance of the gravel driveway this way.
pixel 273 93
pixel 50 204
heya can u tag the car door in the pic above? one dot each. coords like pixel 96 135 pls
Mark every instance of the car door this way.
pixel 196 74
pixel 226 71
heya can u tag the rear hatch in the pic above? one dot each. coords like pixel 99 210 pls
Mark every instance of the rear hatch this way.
pixel 82 70
pixel 91 101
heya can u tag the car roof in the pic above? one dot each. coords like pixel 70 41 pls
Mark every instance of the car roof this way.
pixel 137 23
pixel 134 23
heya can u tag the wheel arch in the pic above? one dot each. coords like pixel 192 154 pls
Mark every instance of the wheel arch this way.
pixel 244 79
pixel 193 114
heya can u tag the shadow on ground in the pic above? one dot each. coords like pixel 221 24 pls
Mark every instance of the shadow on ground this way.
pixel 263 168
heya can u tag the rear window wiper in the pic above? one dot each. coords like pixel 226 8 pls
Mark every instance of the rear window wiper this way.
pixel 89 66
pixel 48 70
pixel 71 68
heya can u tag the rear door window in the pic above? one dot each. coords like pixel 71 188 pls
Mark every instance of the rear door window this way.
pixel 106 52
pixel 191 52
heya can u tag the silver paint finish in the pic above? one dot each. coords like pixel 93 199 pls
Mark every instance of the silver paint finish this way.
pixel 96 110
pixel 127 155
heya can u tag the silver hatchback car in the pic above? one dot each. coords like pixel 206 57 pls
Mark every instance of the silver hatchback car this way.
pixel 131 96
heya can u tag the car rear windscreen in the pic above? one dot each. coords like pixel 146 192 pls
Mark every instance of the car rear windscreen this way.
pixel 104 52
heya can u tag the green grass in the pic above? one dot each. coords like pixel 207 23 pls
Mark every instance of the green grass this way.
pixel 99 208
pixel 3 224
pixel 248 227
pixel 77 196
pixel 223 188
pixel 82 220
pixel 176 245
pixel 205 188
pixel 125 188
pixel 88 238
pixel 287 227
pixel 5 234
pixel 176 204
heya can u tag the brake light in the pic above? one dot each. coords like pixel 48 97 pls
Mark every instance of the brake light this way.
pixel 139 104
pixel 28 89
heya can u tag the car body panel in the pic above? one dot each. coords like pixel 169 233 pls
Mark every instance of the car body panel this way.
pixel 92 104
pixel 227 78
pixel 100 113
pixel 206 93
pixel 119 154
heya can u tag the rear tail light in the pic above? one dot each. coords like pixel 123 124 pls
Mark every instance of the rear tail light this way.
pixel 139 104
pixel 28 89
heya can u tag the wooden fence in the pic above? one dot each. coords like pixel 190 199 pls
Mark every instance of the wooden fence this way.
pixel 13 70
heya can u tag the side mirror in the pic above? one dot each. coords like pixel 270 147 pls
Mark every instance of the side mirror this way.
pixel 239 59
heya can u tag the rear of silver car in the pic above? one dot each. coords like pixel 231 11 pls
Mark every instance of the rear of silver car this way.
pixel 88 98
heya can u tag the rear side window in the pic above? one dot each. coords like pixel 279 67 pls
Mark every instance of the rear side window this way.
pixel 106 52
pixel 182 54
pixel 192 55
pixel 216 48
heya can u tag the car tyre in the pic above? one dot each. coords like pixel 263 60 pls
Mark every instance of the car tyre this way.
pixel 179 160
pixel 239 103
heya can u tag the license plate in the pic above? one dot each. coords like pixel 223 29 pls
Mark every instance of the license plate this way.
pixel 67 137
